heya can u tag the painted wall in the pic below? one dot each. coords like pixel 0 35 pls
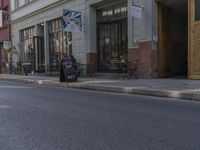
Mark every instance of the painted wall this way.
pixel 140 29
pixel 29 8
pixel 142 35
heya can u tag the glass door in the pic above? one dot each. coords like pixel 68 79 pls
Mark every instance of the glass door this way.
pixel 109 46
pixel 39 50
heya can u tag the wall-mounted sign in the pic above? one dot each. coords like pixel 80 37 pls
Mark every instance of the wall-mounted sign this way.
pixel 154 45
pixel 136 11
pixel 1 18
pixel 72 21
pixel 6 44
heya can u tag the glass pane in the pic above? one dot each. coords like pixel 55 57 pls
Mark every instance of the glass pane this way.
pixel 111 51
pixel 197 8
pixel 28 54
pixel 58 42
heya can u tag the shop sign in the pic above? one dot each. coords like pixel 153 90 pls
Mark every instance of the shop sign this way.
pixel 72 21
pixel 6 44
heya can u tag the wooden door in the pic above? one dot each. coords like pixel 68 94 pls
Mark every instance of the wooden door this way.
pixel 194 39
pixel 165 40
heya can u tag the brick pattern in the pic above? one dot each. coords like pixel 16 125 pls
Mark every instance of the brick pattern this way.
pixel 91 60
pixel 4 33
pixel 147 66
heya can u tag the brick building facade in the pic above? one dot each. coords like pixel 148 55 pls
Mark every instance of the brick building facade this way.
pixel 4 32
pixel 157 35
pixel 106 40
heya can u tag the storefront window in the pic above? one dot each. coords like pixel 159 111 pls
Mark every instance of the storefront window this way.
pixel 57 43
pixel 112 38
pixel 28 53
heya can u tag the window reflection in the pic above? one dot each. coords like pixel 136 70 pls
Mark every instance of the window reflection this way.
pixel 28 53
pixel 112 38
pixel 57 43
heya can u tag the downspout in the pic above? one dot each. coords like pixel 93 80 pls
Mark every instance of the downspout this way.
pixel 9 25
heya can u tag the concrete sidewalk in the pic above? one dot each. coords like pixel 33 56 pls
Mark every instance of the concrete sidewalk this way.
pixel 170 88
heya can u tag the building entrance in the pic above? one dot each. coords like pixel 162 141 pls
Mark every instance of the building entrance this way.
pixel 111 46
pixel 194 39
pixel 111 38
pixel 173 38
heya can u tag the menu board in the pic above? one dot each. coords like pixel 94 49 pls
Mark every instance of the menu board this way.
pixel 69 70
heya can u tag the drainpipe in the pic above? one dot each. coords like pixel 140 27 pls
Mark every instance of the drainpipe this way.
pixel 9 26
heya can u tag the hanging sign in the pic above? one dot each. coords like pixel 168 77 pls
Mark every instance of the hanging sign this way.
pixel 136 11
pixel 72 21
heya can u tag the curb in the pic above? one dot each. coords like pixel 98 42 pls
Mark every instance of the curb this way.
pixel 114 89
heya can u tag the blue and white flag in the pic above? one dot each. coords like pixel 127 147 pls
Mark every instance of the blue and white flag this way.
pixel 72 21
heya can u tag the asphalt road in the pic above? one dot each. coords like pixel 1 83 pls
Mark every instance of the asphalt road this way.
pixel 48 118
